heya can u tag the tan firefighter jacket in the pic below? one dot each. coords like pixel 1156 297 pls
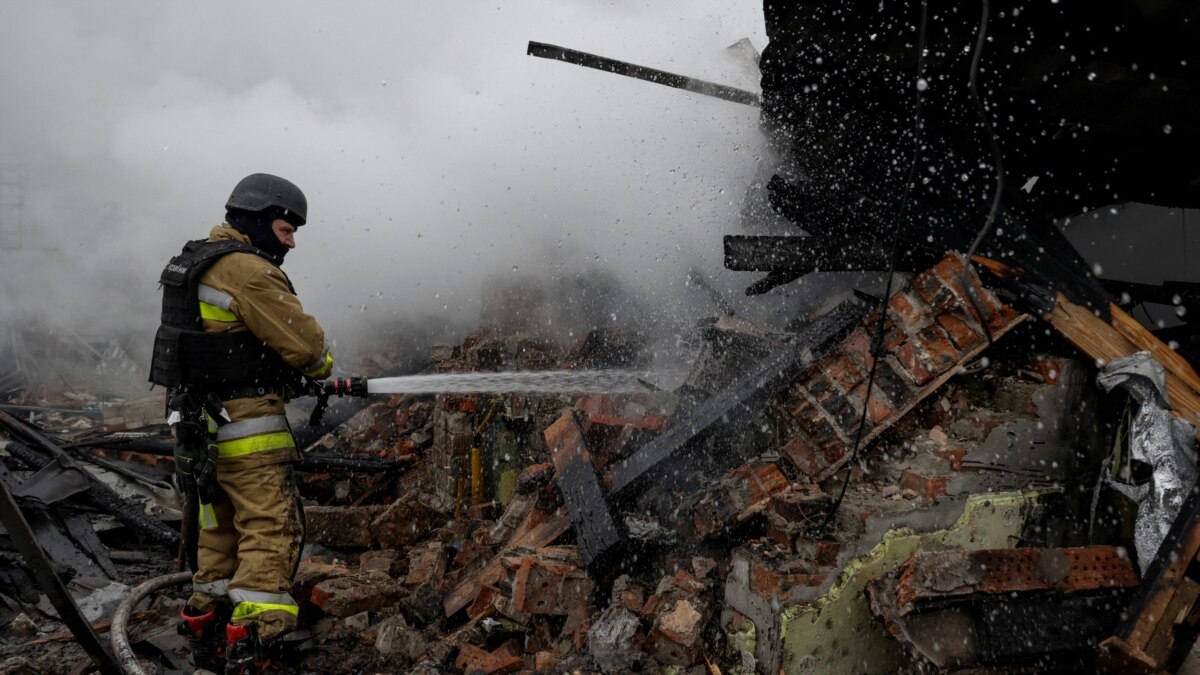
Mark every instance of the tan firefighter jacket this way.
pixel 244 292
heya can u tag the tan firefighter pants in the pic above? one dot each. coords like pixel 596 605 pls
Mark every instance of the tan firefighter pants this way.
pixel 250 557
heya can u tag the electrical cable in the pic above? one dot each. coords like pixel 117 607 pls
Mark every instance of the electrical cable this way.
pixel 877 342
pixel 997 158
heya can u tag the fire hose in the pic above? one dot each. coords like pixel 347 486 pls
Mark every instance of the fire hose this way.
pixel 126 659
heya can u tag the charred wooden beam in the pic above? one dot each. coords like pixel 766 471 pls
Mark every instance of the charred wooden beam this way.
pixel 68 551
pixel 1163 622
pixel 546 51
pixel 43 570
pixel 824 213
pixel 132 515
pixel 738 404
pixel 596 529
pixel 772 281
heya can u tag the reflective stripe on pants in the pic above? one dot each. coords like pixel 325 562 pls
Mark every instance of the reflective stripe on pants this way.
pixel 257 434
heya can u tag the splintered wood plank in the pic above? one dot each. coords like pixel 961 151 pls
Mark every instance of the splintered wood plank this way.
pixel 535 531
pixel 1106 342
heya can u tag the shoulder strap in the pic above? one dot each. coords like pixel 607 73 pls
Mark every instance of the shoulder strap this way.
pixel 198 255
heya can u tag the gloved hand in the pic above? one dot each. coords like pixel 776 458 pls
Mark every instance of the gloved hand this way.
pixel 189 439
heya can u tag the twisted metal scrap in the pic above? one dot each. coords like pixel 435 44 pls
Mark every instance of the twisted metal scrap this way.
pixel 1158 438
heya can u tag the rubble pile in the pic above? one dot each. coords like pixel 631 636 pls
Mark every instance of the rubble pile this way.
pixel 742 522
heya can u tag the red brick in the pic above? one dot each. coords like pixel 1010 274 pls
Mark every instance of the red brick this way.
pixel 403 523
pixel 347 596
pixel 844 414
pixel 769 584
pixel 310 573
pixel 928 287
pixel 782 534
pixel 476 661
pixel 939 351
pixel 681 622
pixel 427 565
pixel 687 582
pixel 466 404
pixel 950 271
pixel 834 452
pixel 952 455
pixel 483 603
pixel 802 455
pixel 842 370
pixel 961 333
pixel 544 587
pixel 340 526
pixel 801 502
pixel 877 408
pixel 633 597
pixel 805 412
pixel 822 433
pixel 1050 369
pixel 928 487
pixel 911 314
pixel 828 552
pixel 819 386
pixel 858 348
pixel 910 360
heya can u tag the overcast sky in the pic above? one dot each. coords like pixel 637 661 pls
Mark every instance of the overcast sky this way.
pixel 433 151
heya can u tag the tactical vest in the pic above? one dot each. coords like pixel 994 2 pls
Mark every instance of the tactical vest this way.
pixel 233 365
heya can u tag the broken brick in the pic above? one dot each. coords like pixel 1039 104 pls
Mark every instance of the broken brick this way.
pixel 909 356
pixel 858 348
pixel 546 587
pixel 877 409
pixel 928 487
pixel 388 561
pixel 346 596
pixel 403 523
pixel 842 370
pixel 676 632
pixel 908 312
pixel 801 502
pixel 961 333
pixel 312 572
pixel 799 450
pixel 426 565
pixel 340 526
pixel 475 661
pixel 939 350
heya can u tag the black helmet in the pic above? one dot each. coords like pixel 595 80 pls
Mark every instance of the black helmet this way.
pixel 260 191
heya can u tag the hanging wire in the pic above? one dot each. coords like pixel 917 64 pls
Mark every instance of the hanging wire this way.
pixel 877 342
pixel 997 159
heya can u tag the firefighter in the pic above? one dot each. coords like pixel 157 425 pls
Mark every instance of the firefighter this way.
pixel 233 346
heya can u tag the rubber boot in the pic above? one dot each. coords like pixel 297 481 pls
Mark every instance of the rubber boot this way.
pixel 248 655
pixel 205 632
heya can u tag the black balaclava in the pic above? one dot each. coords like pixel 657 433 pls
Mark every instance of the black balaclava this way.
pixel 257 226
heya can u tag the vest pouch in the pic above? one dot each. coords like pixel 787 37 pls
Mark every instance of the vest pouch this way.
pixel 223 361
pixel 164 365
